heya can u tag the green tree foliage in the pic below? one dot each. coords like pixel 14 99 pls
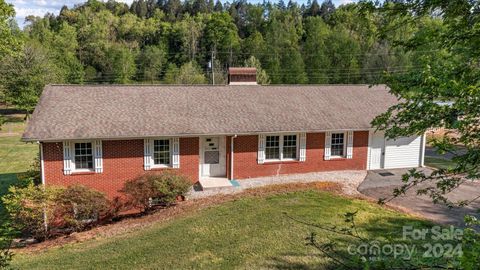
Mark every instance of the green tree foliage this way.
pixel 285 63
pixel 443 91
pixel 149 41
pixel 262 77
pixel 221 35
pixel 123 66
pixel 315 50
pixel 152 61
pixel 9 40
pixel 171 73
pixel 190 73
pixel 25 75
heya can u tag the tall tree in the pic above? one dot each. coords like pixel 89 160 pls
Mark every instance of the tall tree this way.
pixel 218 6
pixel 10 39
pixel 221 35
pixel 443 92
pixel 313 9
pixel 190 73
pixel 262 77
pixel 25 75
pixel 326 10
pixel 284 63
pixel 152 61
pixel 315 50
pixel 122 66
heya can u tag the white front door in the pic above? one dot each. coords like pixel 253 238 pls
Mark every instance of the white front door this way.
pixel 213 156
pixel 377 150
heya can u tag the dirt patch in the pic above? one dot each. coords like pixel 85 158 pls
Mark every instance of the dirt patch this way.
pixel 181 209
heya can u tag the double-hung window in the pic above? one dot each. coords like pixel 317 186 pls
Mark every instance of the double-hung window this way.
pixel 83 156
pixel 338 145
pixel 281 147
pixel 162 152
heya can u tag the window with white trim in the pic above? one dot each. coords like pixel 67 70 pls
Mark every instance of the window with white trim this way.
pixel 83 156
pixel 281 147
pixel 338 145
pixel 162 152
pixel 272 147
pixel 290 146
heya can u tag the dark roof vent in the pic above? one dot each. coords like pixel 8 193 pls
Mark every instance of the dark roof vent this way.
pixel 242 76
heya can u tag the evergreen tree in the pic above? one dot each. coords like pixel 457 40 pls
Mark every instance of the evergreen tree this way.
pixel 262 77
pixel 173 9
pixel 315 50
pixel 218 6
pixel 313 9
pixel 326 10
pixel 199 6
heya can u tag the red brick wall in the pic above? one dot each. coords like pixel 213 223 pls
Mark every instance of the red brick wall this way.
pixel 122 160
pixel 246 166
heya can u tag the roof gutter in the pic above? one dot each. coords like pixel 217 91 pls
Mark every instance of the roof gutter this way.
pixel 191 135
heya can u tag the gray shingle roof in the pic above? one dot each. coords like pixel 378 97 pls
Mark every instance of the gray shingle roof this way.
pixel 135 111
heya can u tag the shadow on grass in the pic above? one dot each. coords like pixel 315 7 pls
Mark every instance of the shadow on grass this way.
pixel 382 231
pixel 6 180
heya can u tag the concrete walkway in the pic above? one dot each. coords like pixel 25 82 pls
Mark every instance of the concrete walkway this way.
pixel 349 180
pixel 377 186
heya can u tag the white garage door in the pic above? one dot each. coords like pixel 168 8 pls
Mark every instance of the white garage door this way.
pixel 403 152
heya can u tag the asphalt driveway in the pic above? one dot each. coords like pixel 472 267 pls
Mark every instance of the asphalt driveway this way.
pixel 378 186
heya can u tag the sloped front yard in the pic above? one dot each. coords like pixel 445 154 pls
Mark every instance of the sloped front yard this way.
pixel 247 232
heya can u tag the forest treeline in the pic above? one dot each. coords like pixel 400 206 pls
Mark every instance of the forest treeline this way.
pixel 183 42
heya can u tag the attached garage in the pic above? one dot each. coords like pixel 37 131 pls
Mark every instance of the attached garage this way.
pixel 403 152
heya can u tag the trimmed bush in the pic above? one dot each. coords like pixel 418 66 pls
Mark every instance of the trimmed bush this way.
pixel 78 206
pixel 151 189
pixel 65 209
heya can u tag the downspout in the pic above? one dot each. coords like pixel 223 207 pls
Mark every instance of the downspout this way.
pixel 42 165
pixel 231 156
pixel 42 176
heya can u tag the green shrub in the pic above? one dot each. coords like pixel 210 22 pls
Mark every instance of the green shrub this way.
pixel 170 186
pixel 2 121
pixel 33 175
pixel 65 209
pixel 28 207
pixel 6 238
pixel 149 189
pixel 78 206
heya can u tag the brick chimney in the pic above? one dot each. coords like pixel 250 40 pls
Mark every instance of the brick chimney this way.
pixel 242 76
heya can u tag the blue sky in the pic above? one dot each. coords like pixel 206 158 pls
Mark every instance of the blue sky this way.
pixel 24 8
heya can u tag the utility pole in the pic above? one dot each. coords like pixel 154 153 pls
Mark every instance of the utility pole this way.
pixel 213 69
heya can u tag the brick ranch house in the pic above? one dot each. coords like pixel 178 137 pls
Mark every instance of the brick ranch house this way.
pixel 101 136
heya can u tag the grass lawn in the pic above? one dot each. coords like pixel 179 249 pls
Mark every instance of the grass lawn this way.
pixel 15 156
pixel 439 163
pixel 251 233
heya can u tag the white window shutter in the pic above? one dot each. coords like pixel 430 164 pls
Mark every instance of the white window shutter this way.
pixel 98 156
pixel 147 154
pixel 303 146
pixel 350 144
pixel 328 143
pixel 176 152
pixel 261 149
pixel 67 158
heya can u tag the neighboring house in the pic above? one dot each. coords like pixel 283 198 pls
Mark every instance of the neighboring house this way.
pixel 103 135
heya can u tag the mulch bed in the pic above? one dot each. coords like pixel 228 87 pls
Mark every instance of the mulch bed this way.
pixel 135 222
